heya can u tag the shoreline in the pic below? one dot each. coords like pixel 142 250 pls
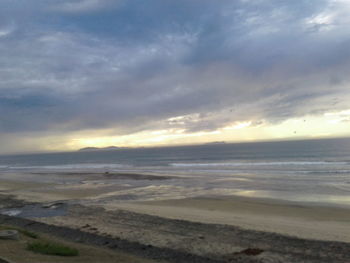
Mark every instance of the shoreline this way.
pixel 305 220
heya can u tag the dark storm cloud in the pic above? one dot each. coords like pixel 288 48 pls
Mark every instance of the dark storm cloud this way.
pixel 88 64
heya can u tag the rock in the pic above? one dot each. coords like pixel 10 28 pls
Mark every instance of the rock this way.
pixel 250 252
pixel 9 234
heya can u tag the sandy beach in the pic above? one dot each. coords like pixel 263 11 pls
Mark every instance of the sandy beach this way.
pixel 216 227
pixel 159 238
pixel 288 218
pixel 304 220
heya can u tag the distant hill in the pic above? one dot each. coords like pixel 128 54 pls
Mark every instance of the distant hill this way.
pixel 93 149
pixel 213 143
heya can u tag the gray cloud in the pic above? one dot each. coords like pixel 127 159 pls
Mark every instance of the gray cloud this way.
pixel 131 65
pixel 80 6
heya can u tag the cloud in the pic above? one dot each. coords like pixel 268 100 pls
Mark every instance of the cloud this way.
pixel 131 66
pixel 81 6
pixel 6 30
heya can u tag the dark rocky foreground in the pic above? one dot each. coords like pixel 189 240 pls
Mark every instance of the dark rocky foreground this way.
pixel 186 241
pixel 280 248
pixel 146 251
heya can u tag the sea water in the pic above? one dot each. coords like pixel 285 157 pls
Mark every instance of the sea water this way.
pixel 305 171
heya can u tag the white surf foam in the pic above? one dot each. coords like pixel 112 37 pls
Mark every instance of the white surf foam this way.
pixel 80 166
pixel 256 164
pixel 11 212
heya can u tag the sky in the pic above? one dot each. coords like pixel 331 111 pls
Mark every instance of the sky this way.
pixel 79 73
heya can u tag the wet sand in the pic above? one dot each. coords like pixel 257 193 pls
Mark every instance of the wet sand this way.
pixel 304 220
pixel 50 187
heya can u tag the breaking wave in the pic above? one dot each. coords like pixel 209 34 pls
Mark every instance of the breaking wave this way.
pixel 256 164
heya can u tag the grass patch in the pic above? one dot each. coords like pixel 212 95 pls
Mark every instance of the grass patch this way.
pixel 28 233
pixel 49 248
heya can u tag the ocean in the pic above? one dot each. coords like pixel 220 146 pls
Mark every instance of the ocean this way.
pixel 316 171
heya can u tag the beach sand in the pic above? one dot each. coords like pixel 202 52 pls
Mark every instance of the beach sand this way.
pixel 304 220
pixel 214 227
pixel 51 187
pixel 310 221
pixel 215 241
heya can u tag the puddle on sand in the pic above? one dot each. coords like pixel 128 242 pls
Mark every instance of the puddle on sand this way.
pixel 37 210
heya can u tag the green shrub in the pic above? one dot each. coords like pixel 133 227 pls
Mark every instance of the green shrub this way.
pixel 48 248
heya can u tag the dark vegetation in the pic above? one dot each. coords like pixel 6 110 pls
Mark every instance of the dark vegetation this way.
pixel 49 248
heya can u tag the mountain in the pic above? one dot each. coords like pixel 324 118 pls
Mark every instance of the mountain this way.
pixel 93 149
pixel 214 143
